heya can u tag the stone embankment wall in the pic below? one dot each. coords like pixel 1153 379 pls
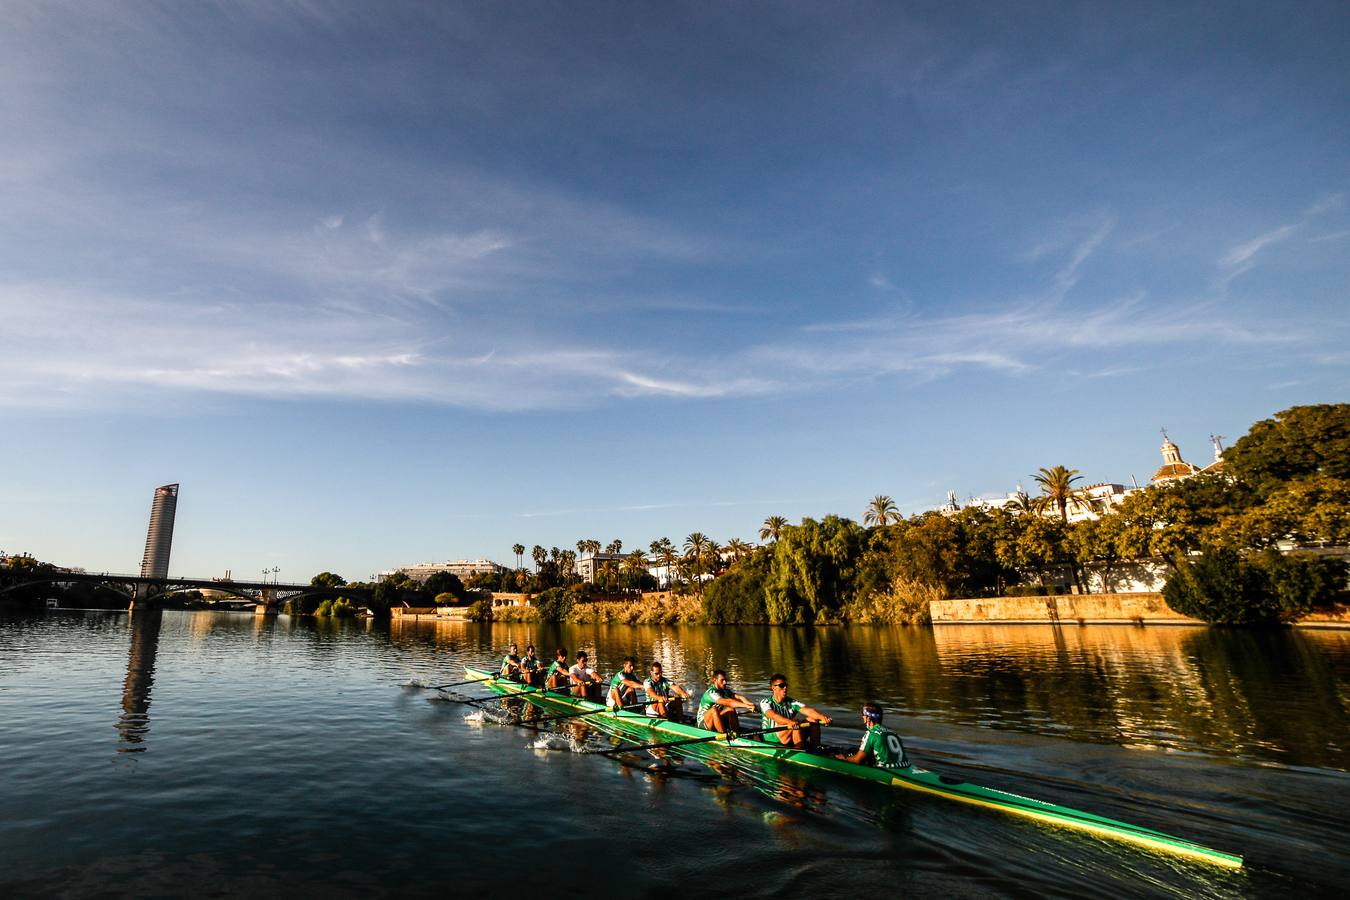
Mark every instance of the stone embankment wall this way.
pixel 1143 608
pixel 1088 609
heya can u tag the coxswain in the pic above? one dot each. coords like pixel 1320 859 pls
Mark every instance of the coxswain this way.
pixel 717 708
pixel 780 710
pixel 511 664
pixel 556 678
pixel 585 681
pixel 532 667
pixel 623 687
pixel 880 746
pixel 667 698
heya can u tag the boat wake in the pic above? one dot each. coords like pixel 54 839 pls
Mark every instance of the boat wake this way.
pixel 483 717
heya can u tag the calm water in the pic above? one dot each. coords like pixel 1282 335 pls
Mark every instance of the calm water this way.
pixel 212 753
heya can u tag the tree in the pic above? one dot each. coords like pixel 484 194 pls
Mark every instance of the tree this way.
pixel 737 597
pixel 881 511
pixel 1299 442
pixel 615 546
pixel 444 583
pixel 519 551
pixel 772 528
pixel 812 570
pixel 739 549
pixel 1311 510
pixel 664 550
pixel 327 580
pixel 1057 490
pixel 695 546
pixel 634 567
pixel 1226 588
pixel 538 554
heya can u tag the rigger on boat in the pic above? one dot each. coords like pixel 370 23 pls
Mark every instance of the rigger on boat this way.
pixel 876 747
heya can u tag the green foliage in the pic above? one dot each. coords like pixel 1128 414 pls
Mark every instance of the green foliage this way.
pixel 446 599
pixel 554 605
pixel 907 602
pixel 812 570
pixel 444 583
pixel 1226 588
pixel 1299 442
pixel 327 580
pixel 301 606
pixel 1313 510
pixel 481 611
pixel 738 596
pixel 1304 582
pixel 338 608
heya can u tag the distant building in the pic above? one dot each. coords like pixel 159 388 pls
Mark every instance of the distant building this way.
pixel 462 568
pixel 159 537
pixel 588 567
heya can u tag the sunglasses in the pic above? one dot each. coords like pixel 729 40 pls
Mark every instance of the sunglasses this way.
pixel 781 684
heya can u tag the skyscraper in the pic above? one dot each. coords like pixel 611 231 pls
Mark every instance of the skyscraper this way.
pixel 159 539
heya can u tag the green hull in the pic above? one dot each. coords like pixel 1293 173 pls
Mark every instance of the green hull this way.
pixel 915 779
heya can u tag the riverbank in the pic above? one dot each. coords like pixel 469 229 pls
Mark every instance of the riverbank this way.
pixel 1089 609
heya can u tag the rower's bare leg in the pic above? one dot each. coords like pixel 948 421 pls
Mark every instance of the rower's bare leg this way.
pixel 712 720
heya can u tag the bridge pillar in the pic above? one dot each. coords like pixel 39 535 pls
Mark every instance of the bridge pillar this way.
pixel 265 609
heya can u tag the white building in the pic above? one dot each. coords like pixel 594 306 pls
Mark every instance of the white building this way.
pixel 462 568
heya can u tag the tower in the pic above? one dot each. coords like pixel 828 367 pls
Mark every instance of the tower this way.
pixel 159 538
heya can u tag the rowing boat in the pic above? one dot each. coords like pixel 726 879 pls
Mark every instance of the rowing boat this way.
pixel 914 778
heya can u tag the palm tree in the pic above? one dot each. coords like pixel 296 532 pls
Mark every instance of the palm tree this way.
pixel 773 527
pixel 614 546
pixel 1057 490
pixel 664 550
pixel 1021 503
pixel 538 554
pixel 713 554
pixel 519 551
pixel 634 564
pixel 739 549
pixel 695 546
pixel 881 511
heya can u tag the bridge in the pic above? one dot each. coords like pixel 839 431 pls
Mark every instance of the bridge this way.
pixel 143 591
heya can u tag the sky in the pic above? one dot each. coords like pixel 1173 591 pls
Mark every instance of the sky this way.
pixel 387 283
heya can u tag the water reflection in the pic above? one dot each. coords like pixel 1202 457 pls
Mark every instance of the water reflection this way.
pixel 134 723
pixel 1273 695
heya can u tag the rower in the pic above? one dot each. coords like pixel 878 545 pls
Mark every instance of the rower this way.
pixel 803 722
pixel 585 681
pixel 719 703
pixel 556 678
pixel 511 664
pixel 667 697
pixel 623 687
pixel 880 746
pixel 532 667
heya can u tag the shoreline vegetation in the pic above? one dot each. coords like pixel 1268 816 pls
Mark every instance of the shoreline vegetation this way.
pixel 1261 538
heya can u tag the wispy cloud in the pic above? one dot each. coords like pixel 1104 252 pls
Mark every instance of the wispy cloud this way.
pixel 1243 253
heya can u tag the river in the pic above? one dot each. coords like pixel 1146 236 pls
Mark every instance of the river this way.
pixel 190 753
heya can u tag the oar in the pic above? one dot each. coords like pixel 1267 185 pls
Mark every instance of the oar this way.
pixel 541 690
pixel 441 687
pixel 592 712
pixel 728 735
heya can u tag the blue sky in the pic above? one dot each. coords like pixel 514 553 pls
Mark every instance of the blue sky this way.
pixel 382 283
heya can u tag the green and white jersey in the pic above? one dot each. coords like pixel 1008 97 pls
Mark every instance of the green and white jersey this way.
pixel 886 748
pixel 510 661
pixel 788 709
pixel 531 663
pixel 661 687
pixel 710 698
pixel 555 667
pixel 617 683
